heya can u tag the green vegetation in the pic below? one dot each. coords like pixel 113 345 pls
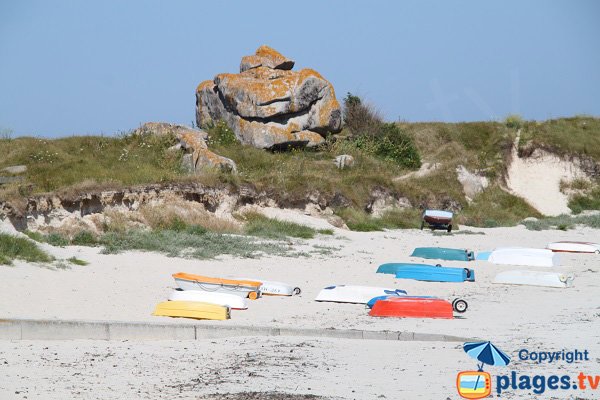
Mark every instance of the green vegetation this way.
pixel 191 244
pixel 495 207
pixel 589 200
pixel 384 153
pixel 85 163
pixel 358 220
pixel 259 225
pixel 565 136
pixel 12 247
pixel 77 261
pixel 563 222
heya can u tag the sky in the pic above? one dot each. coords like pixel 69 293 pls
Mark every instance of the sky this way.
pixel 105 67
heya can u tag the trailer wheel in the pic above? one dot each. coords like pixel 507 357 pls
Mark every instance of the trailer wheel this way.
pixel 422 224
pixel 460 306
pixel 449 228
pixel 296 291
pixel 597 252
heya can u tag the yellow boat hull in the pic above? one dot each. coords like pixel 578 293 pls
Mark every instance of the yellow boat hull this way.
pixel 191 309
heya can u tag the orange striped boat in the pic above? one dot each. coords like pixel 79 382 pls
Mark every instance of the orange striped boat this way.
pixel 239 287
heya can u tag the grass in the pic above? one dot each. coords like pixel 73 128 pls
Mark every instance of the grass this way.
pixel 563 222
pixel 82 164
pixel 94 161
pixel 585 201
pixel 579 135
pixel 12 247
pixel 259 225
pixel 191 244
pixel 77 261
pixel 494 207
pixel 358 220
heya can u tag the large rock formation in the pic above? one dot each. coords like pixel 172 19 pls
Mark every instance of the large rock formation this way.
pixel 269 106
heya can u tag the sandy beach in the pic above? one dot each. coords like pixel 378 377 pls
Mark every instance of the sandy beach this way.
pixel 125 287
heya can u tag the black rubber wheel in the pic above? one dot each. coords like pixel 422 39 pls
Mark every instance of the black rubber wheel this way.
pixel 422 224
pixel 438 265
pixel 468 271
pixel 449 228
pixel 296 291
pixel 460 306
pixel 597 252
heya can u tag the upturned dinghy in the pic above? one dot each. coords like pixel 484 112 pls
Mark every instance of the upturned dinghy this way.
pixel 391 268
pixel 574 247
pixel 412 307
pixel 242 288
pixel 535 278
pixel 221 299
pixel 191 309
pixel 458 305
pixel 354 294
pixel 431 273
pixel 441 253
pixel 274 288
pixel 437 219
pixel 524 256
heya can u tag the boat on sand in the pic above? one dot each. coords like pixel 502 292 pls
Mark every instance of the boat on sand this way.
pixel 354 294
pixel 524 256
pixel 442 253
pixel 242 288
pixel 222 299
pixel 574 247
pixel 535 278
pixel 430 273
pixel 412 307
pixel 191 309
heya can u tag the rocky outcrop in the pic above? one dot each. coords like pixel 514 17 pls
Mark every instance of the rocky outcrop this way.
pixel 193 141
pixel 472 183
pixel 269 106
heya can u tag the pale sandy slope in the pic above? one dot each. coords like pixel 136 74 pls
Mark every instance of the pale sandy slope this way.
pixel 127 286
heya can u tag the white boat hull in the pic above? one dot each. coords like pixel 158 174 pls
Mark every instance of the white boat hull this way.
pixel 240 291
pixel 221 299
pixel 535 278
pixel 354 294
pixel 574 247
pixel 275 288
pixel 524 256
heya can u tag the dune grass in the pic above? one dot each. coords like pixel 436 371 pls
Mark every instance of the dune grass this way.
pixel 12 247
pixel 88 163
pixel 563 222
pixel 259 225
pixel 579 135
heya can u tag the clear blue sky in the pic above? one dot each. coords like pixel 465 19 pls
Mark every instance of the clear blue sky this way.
pixel 91 67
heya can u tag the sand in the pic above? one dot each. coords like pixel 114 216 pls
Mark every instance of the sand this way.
pixel 126 287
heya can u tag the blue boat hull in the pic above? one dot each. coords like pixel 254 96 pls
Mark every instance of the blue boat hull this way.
pixel 391 268
pixel 436 274
pixel 441 253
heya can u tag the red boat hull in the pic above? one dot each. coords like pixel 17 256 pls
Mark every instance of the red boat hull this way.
pixel 437 220
pixel 412 307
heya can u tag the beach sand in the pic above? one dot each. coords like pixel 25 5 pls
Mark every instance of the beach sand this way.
pixel 126 287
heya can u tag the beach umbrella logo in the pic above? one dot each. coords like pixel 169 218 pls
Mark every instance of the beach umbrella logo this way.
pixel 478 384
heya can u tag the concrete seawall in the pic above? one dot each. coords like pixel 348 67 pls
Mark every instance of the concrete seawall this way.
pixel 29 329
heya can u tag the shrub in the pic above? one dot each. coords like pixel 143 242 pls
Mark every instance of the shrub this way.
pixel 589 201
pixel 221 135
pixel 84 238
pixel 360 118
pixel 56 239
pixel 514 121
